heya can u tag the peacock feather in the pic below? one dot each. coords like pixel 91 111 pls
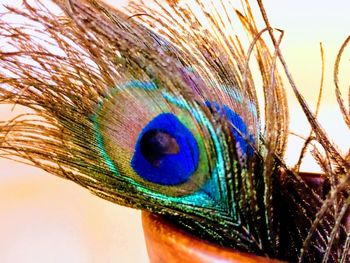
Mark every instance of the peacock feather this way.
pixel 156 107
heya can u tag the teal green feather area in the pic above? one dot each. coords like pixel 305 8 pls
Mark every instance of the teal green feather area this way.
pixel 155 106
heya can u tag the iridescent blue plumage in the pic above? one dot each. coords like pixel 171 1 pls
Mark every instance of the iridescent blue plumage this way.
pixel 165 166
pixel 238 128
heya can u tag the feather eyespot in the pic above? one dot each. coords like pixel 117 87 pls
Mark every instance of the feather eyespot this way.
pixel 164 151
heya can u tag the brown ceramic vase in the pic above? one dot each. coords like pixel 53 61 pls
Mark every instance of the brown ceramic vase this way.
pixel 169 244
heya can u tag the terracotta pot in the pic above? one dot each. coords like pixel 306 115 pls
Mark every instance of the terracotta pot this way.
pixel 167 243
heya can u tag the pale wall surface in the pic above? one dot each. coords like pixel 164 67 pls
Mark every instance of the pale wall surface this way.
pixel 47 219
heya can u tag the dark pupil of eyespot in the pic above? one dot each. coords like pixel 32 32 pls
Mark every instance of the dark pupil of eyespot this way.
pixel 156 144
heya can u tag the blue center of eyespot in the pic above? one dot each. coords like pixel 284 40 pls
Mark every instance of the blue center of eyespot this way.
pixel 239 128
pixel 166 152
pixel 156 144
